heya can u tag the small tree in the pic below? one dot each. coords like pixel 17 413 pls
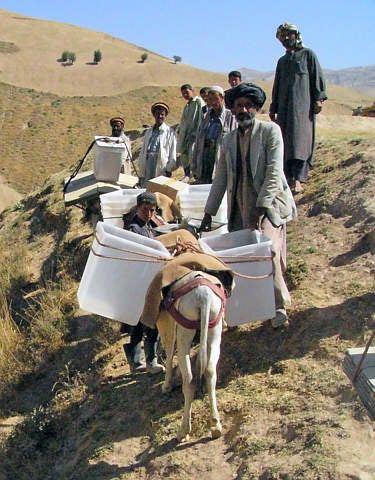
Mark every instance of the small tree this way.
pixel 64 55
pixel 144 57
pixel 72 57
pixel 177 59
pixel 97 56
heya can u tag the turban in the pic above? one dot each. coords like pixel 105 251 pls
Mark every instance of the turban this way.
pixel 146 197
pixel 117 119
pixel 159 105
pixel 292 28
pixel 255 93
pixel 216 89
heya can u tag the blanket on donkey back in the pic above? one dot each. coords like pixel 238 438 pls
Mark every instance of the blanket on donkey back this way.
pixel 192 259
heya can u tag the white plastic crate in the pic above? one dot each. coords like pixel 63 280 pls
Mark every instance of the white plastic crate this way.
pixel 109 156
pixel 249 254
pixel 115 204
pixel 118 272
pixel 192 201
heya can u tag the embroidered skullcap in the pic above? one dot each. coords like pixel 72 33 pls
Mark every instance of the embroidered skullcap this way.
pixel 146 197
pixel 255 93
pixel 216 89
pixel 159 105
pixel 117 119
pixel 292 28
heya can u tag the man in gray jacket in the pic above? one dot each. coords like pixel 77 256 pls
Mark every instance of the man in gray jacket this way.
pixel 250 169
pixel 217 123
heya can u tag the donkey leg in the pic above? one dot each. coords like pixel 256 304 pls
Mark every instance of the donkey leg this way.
pixel 184 339
pixel 211 375
pixel 167 331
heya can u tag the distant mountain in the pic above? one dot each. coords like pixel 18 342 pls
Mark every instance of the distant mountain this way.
pixel 361 79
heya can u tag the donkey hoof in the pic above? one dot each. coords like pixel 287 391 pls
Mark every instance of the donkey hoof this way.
pixel 216 431
pixel 166 388
pixel 183 438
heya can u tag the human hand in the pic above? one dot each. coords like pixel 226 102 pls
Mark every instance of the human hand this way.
pixel 318 105
pixel 206 223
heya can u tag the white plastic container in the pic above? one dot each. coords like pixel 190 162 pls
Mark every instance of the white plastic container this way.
pixel 109 156
pixel 192 202
pixel 253 299
pixel 118 272
pixel 115 204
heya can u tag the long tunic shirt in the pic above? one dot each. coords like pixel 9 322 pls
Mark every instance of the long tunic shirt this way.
pixel 158 153
pixel 298 84
pixel 190 120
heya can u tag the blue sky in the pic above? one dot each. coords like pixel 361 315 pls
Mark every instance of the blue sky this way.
pixel 219 35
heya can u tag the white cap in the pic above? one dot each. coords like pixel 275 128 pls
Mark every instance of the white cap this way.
pixel 216 89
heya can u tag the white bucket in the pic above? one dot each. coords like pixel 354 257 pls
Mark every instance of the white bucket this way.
pixel 109 156
pixel 253 299
pixel 118 272
pixel 115 204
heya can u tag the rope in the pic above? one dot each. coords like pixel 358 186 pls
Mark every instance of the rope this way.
pixel 149 255
pixel 156 259
pixel 178 250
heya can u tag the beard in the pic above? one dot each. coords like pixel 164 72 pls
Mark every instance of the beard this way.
pixel 244 120
pixel 290 43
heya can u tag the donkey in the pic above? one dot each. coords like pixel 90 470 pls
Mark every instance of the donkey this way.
pixel 195 301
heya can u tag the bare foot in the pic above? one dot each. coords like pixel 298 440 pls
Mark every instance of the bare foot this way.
pixel 298 187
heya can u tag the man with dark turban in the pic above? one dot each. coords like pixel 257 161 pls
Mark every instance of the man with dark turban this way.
pixel 250 169
pixel 297 96
pixel 118 125
pixel 158 153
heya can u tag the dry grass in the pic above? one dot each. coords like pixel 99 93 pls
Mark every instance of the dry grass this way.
pixel 286 407
pixel 11 343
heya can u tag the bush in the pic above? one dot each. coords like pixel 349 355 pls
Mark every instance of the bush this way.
pixel 144 57
pixel 97 56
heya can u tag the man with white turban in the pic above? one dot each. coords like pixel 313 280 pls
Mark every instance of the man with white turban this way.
pixel 297 97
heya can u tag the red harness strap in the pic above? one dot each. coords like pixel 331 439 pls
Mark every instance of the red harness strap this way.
pixel 172 296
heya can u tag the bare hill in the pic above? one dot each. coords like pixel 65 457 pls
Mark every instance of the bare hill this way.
pixel 30 50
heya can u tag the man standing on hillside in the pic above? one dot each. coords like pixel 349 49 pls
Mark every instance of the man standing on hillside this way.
pixel 218 122
pixel 297 96
pixel 118 126
pixel 250 169
pixel 190 120
pixel 158 153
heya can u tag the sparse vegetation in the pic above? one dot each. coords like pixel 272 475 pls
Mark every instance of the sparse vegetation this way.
pixel 177 59
pixel 97 56
pixel 69 409
pixel 144 57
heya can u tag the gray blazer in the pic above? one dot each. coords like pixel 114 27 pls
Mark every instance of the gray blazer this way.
pixel 266 161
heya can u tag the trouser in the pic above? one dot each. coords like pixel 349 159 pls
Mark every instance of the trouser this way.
pixel 278 237
pixel 150 336
pixel 296 169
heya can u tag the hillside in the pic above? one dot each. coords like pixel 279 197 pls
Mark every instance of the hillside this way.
pixel 30 50
pixel 70 410
pixel 43 133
